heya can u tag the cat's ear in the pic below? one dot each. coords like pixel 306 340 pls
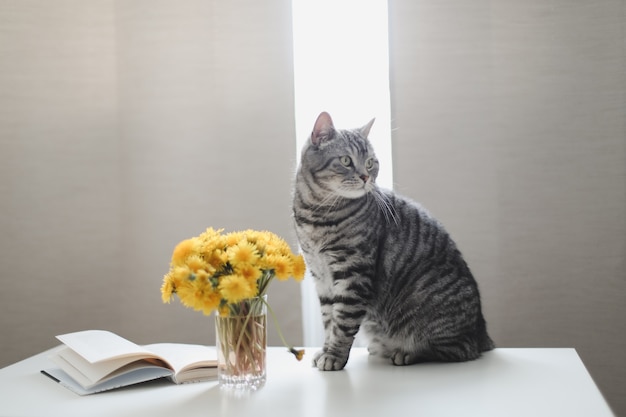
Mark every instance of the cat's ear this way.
pixel 323 129
pixel 365 130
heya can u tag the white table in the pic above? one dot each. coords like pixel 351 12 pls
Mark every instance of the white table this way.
pixel 504 382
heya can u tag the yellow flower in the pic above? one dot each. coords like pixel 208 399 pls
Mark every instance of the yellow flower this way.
pixel 211 235
pixel 224 310
pixel 277 245
pixel 187 295
pixel 209 242
pixel 243 252
pixel 233 238
pixel 298 267
pixel 167 289
pixel 182 251
pixel 298 353
pixel 281 266
pixel 210 301
pixel 260 239
pixel 217 260
pixel 250 272
pixel 179 275
pixel 202 278
pixel 196 263
pixel 235 288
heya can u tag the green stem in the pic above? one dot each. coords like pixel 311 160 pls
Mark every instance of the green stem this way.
pixel 280 334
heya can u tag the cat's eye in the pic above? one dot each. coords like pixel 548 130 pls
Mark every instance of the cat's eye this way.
pixel 369 164
pixel 345 161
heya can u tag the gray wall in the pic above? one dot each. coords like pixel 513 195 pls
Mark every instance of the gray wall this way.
pixel 509 125
pixel 125 128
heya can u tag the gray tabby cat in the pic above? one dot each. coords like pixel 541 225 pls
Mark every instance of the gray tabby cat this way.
pixel 381 263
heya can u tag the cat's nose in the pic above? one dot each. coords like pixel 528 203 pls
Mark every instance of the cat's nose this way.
pixel 364 177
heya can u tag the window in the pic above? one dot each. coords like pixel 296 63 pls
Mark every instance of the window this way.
pixel 341 65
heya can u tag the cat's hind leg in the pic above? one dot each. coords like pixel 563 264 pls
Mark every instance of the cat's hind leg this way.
pixel 409 351
pixel 458 349
pixel 376 348
pixel 371 332
pixel 401 358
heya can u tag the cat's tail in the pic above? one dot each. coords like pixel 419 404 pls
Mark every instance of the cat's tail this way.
pixel 485 342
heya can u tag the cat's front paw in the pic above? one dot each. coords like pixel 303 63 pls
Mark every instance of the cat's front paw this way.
pixel 325 361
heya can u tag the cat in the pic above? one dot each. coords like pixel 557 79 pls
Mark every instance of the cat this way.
pixel 380 262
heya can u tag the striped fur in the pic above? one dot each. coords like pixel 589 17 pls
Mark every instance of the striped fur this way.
pixel 381 263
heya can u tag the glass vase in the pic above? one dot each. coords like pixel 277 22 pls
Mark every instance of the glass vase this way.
pixel 241 345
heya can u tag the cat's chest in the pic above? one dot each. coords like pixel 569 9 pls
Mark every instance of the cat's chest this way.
pixel 318 263
pixel 314 243
pixel 311 239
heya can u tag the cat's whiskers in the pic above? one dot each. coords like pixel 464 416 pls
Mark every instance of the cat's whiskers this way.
pixel 336 201
pixel 385 206
pixel 381 206
pixel 329 202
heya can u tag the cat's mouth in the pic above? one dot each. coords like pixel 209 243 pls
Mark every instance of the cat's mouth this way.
pixel 355 189
pixel 352 193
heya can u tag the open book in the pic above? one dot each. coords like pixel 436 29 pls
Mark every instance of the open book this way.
pixel 97 360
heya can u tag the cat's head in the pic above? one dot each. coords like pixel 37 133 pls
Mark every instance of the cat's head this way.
pixel 340 161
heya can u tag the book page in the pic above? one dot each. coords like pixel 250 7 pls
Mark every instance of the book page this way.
pixel 101 345
pixel 89 374
pixel 78 375
pixel 183 357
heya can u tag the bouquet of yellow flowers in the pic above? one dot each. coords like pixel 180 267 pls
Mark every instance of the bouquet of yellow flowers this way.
pixel 223 272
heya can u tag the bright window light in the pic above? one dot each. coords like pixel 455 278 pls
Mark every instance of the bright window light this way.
pixel 341 65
